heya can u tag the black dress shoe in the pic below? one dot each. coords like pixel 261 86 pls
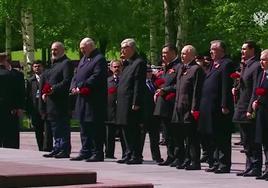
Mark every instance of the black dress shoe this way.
pixel 262 177
pixel 123 160
pixel 62 155
pixel 95 158
pixel 79 158
pixel 244 172
pixel 175 163
pixel 222 171
pixel 160 160
pixel 134 161
pixel 167 162
pixel 193 167
pixel 253 173
pixel 204 159
pixel 51 154
pixel 211 169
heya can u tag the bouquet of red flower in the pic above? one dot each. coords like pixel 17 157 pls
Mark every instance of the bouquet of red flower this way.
pixel 112 90
pixel 159 82
pixel 47 88
pixel 85 91
pixel 196 115
pixel 261 91
pixel 235 75
pixel 170 96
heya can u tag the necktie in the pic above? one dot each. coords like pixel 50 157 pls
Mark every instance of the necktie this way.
pixel 150 86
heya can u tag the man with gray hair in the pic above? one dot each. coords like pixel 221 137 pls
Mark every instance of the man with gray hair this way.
pixel 90 85
pixel 54 97
pixel 129 100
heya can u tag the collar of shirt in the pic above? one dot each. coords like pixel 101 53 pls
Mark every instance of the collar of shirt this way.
pixel 37 77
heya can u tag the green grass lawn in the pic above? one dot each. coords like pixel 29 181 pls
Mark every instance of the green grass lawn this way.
pixel 18 55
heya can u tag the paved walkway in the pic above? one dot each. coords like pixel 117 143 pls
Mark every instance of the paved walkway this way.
pixel 149 172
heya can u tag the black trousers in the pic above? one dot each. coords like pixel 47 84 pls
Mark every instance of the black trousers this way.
pixel 253 150
pixel 152 127
pixel 92 136
pixel 187 143
pixel 43 134
pixel 111 130
pixel 133 138
pixel 170 135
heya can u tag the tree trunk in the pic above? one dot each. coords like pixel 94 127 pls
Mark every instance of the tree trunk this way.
pixel 183 16
pixel 8 38
pixel 170 29
pixel 153 38
pixel 27 35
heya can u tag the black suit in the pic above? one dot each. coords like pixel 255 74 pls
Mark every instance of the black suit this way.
pixel 56 107
pixel 216 94
pixel 7 96
pixel 91 110
pixel 111 127
pixel 246 85
pixel 43 133
pixel 130 91
pixel 150 122
pixel 164 107
pixel 262 117
pixel 19 103
pixel 188 90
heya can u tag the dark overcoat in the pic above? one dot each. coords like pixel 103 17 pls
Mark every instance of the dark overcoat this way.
pixel 216 94
pixel 245 86
pixel 163 107
pixel 91 73
pixel 130 90
pixel 262 111
pixel 59 77
pixel 188 91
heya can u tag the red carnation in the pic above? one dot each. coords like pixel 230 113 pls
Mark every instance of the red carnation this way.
pixel 159 82
pixel 46 88
pixel 261 91
pixel 235 75
pixel 112 90
pixel 170 96
pixel 196 115
pixel 85 91
pixel 159 74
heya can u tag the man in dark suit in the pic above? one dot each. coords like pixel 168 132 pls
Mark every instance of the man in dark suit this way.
pixel 260 105
pixel 90 85
pixel 54 99
pixel 186 109
pixel 19 105
pixel 216 108
pixel 129 100
pixel 42 133
pixel 165 98
pixel 150 123
pixel 243 111
pixel 7 96
pixel 111 127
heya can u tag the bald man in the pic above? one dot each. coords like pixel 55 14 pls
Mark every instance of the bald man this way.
pixel 54 97
pixel 188 90
pixel 89 84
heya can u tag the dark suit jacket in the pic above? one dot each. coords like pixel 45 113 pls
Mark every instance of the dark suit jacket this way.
pixel 164 108
pixel 188 92
pixel 7 94
pixel 112 99
pixel 262 111
pixel 19 100
pixel 91 73
pixel 59 77
pixel 216 93
pixel 246 84
pixel 32 99
pixel 130 90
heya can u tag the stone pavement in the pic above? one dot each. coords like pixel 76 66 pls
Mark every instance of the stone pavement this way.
pixel 149 172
